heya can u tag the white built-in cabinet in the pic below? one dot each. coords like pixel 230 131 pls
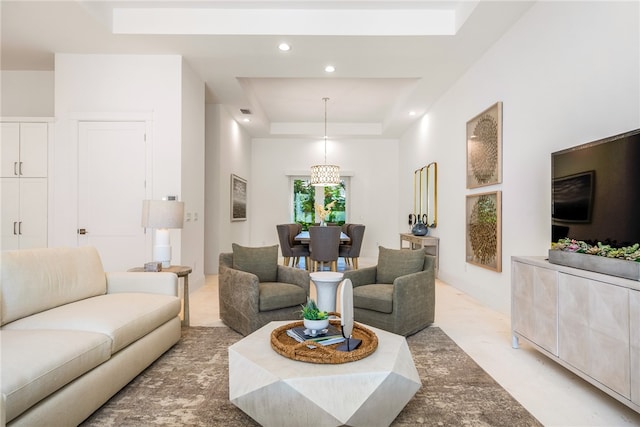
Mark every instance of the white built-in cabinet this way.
pixel 23 182
pixel 587 322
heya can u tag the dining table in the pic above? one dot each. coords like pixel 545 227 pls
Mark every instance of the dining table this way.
pixel 304 238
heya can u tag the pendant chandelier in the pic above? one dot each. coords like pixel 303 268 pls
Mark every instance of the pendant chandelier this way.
pixel 325 175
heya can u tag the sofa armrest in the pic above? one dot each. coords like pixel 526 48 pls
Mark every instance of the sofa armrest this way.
pixel 362 276
pixel 164 283
pixel 295 276
pixel 3 409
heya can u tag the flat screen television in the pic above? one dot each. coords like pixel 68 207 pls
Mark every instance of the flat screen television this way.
pixel 595 191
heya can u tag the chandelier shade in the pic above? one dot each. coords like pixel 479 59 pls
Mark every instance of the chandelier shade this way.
pixel 325 175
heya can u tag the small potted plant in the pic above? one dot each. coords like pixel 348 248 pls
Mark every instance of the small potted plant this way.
pixel 314 319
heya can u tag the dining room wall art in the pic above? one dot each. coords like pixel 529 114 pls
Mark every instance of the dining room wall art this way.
pixel 238 198
pixel 484 147
pixel 484 230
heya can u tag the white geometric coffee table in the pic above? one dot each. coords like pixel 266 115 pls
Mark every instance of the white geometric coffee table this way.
pixel 277 391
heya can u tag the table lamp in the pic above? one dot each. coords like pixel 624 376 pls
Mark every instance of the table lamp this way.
pixel 162 215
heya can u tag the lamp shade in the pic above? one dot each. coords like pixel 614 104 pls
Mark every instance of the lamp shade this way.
pixel 327 175
pixel 162 214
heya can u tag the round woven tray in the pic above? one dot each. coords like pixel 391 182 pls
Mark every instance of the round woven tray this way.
pixel 289 347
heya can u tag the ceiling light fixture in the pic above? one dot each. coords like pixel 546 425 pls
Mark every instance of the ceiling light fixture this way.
pixel 325 175
pixel 285 47
pixel 329 68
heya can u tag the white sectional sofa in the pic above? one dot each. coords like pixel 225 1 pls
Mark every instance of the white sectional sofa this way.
pixel 72 336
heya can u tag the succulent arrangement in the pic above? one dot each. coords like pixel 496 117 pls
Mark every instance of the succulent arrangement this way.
pixel 629 253
pixel 310 311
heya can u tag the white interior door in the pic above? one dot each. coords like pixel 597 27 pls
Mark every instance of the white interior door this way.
pixel 111 186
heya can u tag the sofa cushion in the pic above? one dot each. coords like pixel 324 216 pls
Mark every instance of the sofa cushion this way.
pixel 36 363
pixel 35 280
pixel 123 317
pixel 262 261
pixel 378 297
pixel 280 295
pixel 393 263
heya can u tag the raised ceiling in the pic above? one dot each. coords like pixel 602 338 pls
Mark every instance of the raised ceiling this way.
pixel 391 57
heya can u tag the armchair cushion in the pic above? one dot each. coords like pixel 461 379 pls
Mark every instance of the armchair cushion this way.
pixel 263 261
pixel 274 296
pixel 393 263
pixel 378 297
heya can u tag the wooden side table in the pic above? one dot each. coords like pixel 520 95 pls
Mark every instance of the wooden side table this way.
pixel 432 244
pixel 180 271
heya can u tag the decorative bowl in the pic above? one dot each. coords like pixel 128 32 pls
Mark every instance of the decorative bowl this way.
pixel 315 326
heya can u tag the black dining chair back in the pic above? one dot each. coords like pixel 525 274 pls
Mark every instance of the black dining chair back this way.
pixel 324 246
pixel 290 250
pixel 351 250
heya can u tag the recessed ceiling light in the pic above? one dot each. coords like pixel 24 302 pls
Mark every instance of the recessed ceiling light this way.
pixel 412 113
pixel 285 47
pixel 246 120
pixel 329 68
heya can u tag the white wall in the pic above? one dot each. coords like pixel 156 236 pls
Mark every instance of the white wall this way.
pixel 26 93
pixel 373 197
pixel 192 168
pixel 116 86
pixel 228 151
pixel 567 73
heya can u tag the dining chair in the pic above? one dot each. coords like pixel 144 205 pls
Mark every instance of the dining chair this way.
pixel 324 246
pixel 350 251
pixel 290 249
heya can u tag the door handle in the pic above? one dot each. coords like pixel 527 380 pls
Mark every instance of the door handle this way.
pixel 15 223
pixel 20 168
pixel 82 231
pixel 15 168
pixel 20 227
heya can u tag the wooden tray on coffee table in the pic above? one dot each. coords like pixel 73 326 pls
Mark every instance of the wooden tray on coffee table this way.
pixel 286 346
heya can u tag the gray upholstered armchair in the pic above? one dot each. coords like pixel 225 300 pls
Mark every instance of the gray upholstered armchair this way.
pixel 254 290
pixel 398 294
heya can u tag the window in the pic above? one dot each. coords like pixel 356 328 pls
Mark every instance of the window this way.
pixel 304 201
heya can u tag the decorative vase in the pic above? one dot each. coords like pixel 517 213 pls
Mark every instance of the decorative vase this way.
pixel 420 229
pixel 315 326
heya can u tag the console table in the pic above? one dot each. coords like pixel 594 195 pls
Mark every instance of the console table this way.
pixel 587 322
pixel 432 244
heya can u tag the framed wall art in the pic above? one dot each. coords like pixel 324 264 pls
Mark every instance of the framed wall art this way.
pixel 484 230
pixel 238 198
pixel 484 147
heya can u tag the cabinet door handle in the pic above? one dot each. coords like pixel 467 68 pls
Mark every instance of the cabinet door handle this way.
pixel 20 168
pixel 15 223
pixel 20 227
pixel 15 168
pixel 82 231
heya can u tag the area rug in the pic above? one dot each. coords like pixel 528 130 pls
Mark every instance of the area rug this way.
pixel 188 386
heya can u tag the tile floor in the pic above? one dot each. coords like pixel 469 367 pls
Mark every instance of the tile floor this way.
pixel 551 393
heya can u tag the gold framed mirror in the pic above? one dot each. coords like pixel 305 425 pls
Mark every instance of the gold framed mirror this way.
pixel 425 194
pixel 431 197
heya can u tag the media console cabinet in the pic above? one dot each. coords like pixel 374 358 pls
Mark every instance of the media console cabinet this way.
pixel 587 322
